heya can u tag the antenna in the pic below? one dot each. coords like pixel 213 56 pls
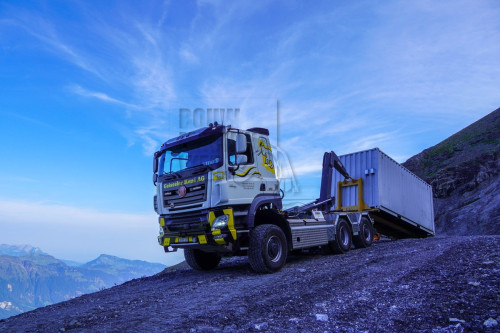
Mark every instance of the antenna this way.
pixel 277 122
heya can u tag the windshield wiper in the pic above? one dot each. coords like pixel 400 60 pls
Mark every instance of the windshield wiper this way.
pixel 205 167
pixel 194 166
pixel 175 174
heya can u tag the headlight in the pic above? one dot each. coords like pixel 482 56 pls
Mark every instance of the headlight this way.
pixel 220 222
pixel 161 231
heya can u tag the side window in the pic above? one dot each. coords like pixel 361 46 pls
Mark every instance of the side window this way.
pixel 249 152
pixel 231 150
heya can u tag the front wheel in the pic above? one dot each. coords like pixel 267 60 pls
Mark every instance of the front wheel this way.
pixel 201 261
pixel 268 249
pixel 343 237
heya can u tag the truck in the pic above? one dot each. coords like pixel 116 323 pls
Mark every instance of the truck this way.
pixel 217 195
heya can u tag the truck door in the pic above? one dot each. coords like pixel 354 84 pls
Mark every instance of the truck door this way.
pixel 243 174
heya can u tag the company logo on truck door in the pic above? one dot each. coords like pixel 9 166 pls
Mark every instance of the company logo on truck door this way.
pixel 266 152
pixel 184 182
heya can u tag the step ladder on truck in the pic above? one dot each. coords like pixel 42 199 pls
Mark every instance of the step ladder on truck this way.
pixel 217 195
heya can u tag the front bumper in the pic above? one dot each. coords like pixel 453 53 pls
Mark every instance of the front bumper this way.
pixel 196 230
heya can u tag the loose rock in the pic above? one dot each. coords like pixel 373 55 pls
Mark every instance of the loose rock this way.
pixel 261 326
pixel 490 322
pixel 456 320
pixel 321 317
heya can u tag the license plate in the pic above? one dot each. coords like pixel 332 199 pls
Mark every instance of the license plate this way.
pixel 183 240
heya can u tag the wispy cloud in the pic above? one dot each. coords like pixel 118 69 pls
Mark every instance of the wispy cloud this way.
pixel 432 64
pixel 411 68
pixel 47 33
pixel 18 179
pixel 100 96
pixel 371 141
pixel 149 138
pixel 342 72
pixel 188 56
pixel 137 60
pixel 26 119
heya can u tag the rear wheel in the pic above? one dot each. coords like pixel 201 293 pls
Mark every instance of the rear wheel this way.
pixel 201 261
pixel 365 235
pixel 343 237
pixel 268 248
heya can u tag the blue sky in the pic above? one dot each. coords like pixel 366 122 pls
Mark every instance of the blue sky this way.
pixel 89 89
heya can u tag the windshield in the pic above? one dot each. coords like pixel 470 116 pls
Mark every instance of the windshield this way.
pixel 203 152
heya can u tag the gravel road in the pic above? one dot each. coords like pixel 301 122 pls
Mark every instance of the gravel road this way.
pixel 440 284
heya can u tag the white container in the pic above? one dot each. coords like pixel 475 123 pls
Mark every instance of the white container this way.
pixel 398 198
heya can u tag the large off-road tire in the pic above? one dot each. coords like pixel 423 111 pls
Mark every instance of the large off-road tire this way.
pixel 268 248
pixel 343 237
pixel 365 235
pixel 201 261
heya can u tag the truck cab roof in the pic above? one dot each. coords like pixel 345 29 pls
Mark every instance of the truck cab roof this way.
pixel 204 132
pixel 194 135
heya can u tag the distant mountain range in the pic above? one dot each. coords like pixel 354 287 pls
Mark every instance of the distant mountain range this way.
pixel 30 278
pixel 464 171
pixel 19 250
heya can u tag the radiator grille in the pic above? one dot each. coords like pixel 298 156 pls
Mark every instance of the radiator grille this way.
pixel 194 194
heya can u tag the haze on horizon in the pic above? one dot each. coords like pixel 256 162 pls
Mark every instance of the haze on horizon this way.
pixel 90 89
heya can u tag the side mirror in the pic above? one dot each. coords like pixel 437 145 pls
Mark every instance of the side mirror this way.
pixel 241 159
pixel 241 143
pixel 155 178
pixel 155 164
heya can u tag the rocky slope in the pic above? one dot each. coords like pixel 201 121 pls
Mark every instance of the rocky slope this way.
pixel 440 284
pixel 464 171
pixel 30 279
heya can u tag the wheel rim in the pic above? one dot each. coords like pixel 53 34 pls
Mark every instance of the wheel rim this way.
pixel 344 236
pixel 274 248
pixel 367 233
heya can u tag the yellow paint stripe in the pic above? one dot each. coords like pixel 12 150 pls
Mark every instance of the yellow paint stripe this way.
pixel 162 222
pixel 203 239
pixel 230 222
pixel 166 241
pixel 211 218
pixel 244 173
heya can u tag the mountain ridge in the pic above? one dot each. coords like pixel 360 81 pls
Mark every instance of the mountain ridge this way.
pixel 19 249
pixel 464 171
pixel 32 278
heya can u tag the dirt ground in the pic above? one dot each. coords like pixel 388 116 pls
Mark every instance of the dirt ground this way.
pixel 440 284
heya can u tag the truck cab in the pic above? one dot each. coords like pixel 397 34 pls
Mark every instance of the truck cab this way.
pixel 212 188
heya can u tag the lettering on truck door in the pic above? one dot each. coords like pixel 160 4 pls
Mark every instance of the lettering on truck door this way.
pixel 264 155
